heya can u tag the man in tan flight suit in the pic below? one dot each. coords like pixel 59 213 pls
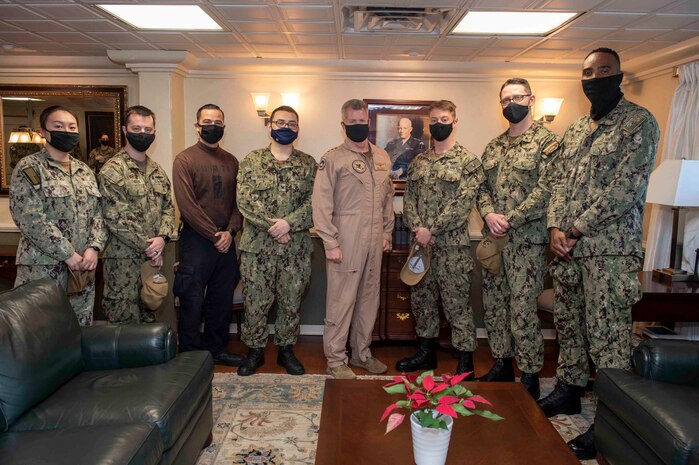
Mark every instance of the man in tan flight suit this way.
pixel 353 215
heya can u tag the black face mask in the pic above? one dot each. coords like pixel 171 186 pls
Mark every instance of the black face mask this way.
pixel 211 133
pixel 357 132
pixel 64 141
pixel 514 113
pixel 441 131
pixel 104 143
pixel 603 93
pixel 140 140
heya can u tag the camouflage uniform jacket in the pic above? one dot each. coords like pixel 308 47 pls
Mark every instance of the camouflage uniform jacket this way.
pixel 603 180
pixel 57 213
pixel 107 153
pixel 136 205
pixel 271 189
pixel 440 192
pixel 516 182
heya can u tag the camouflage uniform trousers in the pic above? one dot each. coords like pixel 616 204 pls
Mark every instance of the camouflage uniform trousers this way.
pixel 122 292
pixel 509 304
pixel 268 277
pixel 449 276
pixel 592 314
pixel 83 304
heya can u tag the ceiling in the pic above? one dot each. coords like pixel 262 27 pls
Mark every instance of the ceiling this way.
pixel 317 30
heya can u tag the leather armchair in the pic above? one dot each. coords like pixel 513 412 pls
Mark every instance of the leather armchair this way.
pixel 103 394
pixel 651 416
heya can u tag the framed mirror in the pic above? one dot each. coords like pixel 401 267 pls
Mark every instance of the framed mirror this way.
pixel 99 110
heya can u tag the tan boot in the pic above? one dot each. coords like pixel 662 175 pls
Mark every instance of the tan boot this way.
pixel 372 365
pixel 341 372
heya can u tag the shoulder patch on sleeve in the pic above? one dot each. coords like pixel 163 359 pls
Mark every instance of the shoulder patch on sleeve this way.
pixel 472 165
pixel 321 165
pixel 32 175
pixel 633 122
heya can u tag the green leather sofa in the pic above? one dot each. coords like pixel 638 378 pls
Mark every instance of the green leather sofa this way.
pixel 651 417
pixel 99 395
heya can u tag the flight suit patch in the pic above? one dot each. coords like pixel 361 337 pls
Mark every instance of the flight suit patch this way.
pixel 359 166
pixel 321 165
pixel 380 167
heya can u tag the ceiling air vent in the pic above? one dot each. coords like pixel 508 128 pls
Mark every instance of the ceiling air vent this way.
pixel 396 19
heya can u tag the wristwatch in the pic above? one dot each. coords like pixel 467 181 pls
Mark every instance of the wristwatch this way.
pixel 571 235
pixel 95 248
pixel 166 238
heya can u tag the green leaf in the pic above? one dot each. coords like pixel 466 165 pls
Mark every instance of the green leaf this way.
pixel 461 410
pixel 423 376
pixel 459 390
pixel 488 414
pixel 395 389
pixel 403 403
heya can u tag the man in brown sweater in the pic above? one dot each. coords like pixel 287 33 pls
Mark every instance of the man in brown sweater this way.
pixel 204 178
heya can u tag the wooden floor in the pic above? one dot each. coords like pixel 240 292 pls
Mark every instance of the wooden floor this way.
pixel 309 351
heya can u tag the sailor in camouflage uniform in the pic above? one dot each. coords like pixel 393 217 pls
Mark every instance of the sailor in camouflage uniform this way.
pixel 138 210
pixel 274 196
pixel 100 155
pixel 55 203
pixel 441 189
pixel 513 201
pixel 595 218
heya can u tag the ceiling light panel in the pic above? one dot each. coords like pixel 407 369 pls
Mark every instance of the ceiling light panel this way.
pixel 511 22
pixel 164 17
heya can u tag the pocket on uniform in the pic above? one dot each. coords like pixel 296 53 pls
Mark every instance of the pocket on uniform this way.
pixel 626 291
pixel 184 280
pixel 55 189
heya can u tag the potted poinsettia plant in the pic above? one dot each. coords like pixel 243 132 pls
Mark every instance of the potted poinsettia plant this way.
pixel 434 404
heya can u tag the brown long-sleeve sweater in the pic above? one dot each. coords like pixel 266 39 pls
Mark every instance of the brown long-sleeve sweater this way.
pixel 204 180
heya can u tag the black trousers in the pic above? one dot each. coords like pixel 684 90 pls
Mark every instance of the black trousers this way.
pixel 205 281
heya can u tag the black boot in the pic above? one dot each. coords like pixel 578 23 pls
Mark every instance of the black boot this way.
pixel 531 383
pixel 424 359
pixel 465 365
pixel 584 445
pixel 287 359
pixel 254 360
pixel 502 370
pixel 564 399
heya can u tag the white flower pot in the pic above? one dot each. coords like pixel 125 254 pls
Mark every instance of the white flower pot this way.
pixel 430 445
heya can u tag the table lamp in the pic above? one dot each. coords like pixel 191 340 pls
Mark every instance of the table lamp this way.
pixel 675 183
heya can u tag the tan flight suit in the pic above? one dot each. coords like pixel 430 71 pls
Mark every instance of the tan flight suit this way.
pixel 353 209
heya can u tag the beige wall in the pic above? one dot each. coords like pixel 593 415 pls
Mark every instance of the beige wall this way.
pixel 479 113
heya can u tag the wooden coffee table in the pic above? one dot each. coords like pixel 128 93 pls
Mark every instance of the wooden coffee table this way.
pixel 350 432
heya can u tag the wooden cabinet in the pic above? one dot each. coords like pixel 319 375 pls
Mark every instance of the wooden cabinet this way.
pixel 396 320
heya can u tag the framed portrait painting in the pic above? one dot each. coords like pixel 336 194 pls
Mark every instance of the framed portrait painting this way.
pixel 401 127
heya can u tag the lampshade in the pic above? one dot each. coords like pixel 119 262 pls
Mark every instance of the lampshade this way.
pixel 675 183
pixel 260 100
pixel 551 106
pixel 291 99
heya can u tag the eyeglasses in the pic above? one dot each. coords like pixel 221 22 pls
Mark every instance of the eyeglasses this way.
pixel 515 98
pixel 280 123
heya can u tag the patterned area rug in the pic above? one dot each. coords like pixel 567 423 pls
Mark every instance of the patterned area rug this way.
pixel 274 419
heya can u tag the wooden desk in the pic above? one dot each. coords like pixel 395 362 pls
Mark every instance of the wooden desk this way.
pixel 666 302
pixel 350 432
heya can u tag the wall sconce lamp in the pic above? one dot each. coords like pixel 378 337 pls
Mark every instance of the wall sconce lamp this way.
pixel 261 100
pixel 25 135
pixel 550 108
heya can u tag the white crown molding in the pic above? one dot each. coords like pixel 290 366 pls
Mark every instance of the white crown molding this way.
pixel 662 61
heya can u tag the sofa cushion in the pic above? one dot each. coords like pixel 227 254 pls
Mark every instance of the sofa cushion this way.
pixel 39 346
pixel 664 416
pixel 167 395
pixel 136 444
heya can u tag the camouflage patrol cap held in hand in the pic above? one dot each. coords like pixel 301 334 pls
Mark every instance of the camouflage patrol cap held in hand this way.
pixel 489 253
pixel 416 265
pixel 154 287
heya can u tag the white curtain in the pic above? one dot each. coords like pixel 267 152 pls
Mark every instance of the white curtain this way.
pixel 681 141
